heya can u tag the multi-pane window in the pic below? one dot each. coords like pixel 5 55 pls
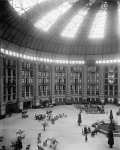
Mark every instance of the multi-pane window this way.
pixel 60 80
pixel 27 79
pixel 111 82
pixel 93 81
pixel 10 79
pixel 43 80
pixel 76 80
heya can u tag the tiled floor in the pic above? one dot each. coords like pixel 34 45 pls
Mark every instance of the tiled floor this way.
pixel 65 130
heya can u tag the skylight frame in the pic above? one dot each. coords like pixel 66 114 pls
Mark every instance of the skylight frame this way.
pixel 21 6
pixel 47 21
pixel 74 25
pixel 118 20
pixel 99 25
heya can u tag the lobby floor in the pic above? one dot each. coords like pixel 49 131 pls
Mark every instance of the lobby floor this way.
pixel 65 130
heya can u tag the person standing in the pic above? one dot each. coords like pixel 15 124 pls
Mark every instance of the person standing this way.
pixel 19 143
pixel 111 116
pixel 85 134
pixel 86 138
pixel 110 138
pixel 3 148
pixel 39 138
pixel 79 118
pixel 44 125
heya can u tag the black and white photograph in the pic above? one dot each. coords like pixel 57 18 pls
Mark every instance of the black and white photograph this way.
pixel 59 74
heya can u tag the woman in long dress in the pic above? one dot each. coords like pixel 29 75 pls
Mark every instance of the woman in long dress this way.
pixel 110 138
pixel 79 118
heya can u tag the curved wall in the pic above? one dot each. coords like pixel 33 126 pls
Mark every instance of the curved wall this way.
pixel 31 83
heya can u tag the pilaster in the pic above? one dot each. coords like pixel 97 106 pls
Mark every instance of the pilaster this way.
pixel 2 102
pixel 118 102
pixel 68 74
pixel 102 100
pixel 19 85
pixel 85 82
pixel 52 84
pixel 36 101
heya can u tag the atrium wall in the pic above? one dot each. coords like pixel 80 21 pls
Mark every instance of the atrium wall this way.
pixel 31 84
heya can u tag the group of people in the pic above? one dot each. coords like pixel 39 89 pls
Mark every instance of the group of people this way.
pixel 49 142
pixel 48 117
pixel 52 142
pixel 110 136
pixel 56 117
pixel 17 144
pixel 41 144
pixel 91 108
pixel 52 119
pixel 86 130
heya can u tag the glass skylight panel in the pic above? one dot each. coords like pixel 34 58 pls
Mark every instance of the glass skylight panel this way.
pixel 98 27
pixel 50 18
pixel 75 23
pixel 23 5
pixel 119 20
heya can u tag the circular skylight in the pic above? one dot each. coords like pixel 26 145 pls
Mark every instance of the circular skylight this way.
pixel 47 21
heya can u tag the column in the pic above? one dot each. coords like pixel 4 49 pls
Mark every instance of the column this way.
pixel 118 102
pixel 84 82
pixel 36 101
pixel 68 84
pixel 52 84
pixel 2 102
pixel 19 85
pixel 102 100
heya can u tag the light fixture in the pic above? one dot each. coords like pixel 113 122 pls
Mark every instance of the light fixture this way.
pixel 6 52
pixel 41 59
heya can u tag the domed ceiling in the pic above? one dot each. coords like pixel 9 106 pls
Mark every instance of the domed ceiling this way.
pixel 72 27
